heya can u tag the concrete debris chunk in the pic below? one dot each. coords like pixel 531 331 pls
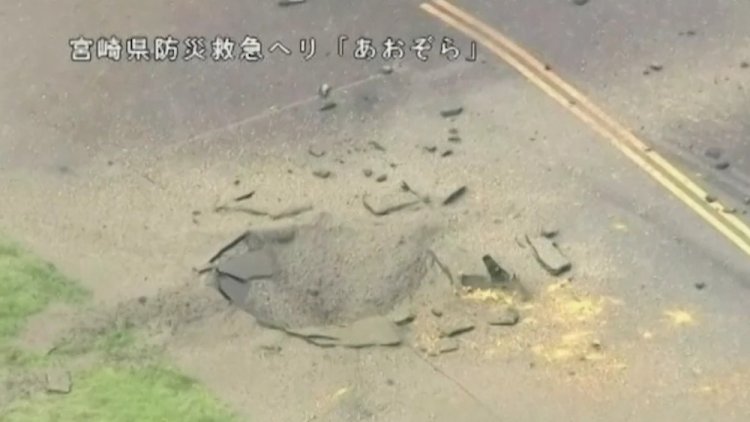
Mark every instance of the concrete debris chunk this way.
pixel 451 326
pixel 497 273
pixel 233 290
pixel 388 203
pixel 291 211
pixel 287 3
pixel 250 266
pixel 462 267
pixel 369 332
pixel 549 257
pixel 451 112
pixel 454 195
pixel 322 173
pixel 324 90
pixel 59 381
pixel 505 316
pixel 446 345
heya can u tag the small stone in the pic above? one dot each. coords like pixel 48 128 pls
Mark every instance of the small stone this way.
pixel 377 146
pixel 549 233
pixel 451 327
pixel 437 312
pixel 142 300
pixel 596 345
pixel 462 267
pixel 322 174
pixel 700 285
pixel 451 112
pixel 324 90
pixel 59 381
pixel 386 70
pixel 389 203
pixel 507 316
pixel 455 195
pixel 710 199
pixel 277 233
pixel 250 266
pixel 316 152
pixel 291 211
pixel 367 172
pixel 330 105
pixel 368 332
pixel 721 165
pixel 286 3
pixel 453 131
pixel 454 139
pixel 431 149
pixel 580 2
pixel 403 314
pixel 548 256
pixel 382 178
pixel 713 152
pixel 446 345
pixel 745 65
pixel 446 153
pixel 656 67
pixel 729 210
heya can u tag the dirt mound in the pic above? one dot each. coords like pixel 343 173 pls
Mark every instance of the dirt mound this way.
pixel 324 272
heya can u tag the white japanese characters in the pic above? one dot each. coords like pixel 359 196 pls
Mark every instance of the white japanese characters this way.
pixel 250 48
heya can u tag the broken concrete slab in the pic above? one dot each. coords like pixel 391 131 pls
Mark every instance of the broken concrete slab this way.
pixel 451 326
pixel 388 203
pixel 370 332
pixel 235 291
pixel 58 381
pixel 250 265
pixel 497 273
pixel 291 211
pixel 505 316
pixel 549 257
pixel 451 112
pixel 461 266
pixel 454 195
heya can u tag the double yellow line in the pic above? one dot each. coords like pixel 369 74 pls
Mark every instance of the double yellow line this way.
pixel 543 77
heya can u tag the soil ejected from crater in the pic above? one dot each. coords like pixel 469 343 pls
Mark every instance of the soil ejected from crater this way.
pixel 323 272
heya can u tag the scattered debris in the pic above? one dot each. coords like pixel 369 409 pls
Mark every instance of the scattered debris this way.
pixel 249 266
pixel 455 195
pixel 548 255
pixel 446 345
pixel 446 153
pixel 496 272
pixel 377 146
pixel 506 316
pixel 329 105
pixel 291 211
pixel 714 152
pixel 367 172
pixel 656 67
pixel 317 153
pixel 460 266
pixel 382 178
pixel 227 246
pixel 386 69
pixel 59 381
pixel 241 198
pixel 721 165
pixel 388 203
pixel 454 326
pixel 286 3
pixel 549 233
pixel 451 112
pixel 322 174
pixel 324 90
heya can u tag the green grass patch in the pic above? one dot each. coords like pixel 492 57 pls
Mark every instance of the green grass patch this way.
pixel 125 385
pixel 27 286
pixel 115 394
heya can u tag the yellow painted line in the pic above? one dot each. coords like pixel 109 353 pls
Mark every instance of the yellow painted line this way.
pixel 638 151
